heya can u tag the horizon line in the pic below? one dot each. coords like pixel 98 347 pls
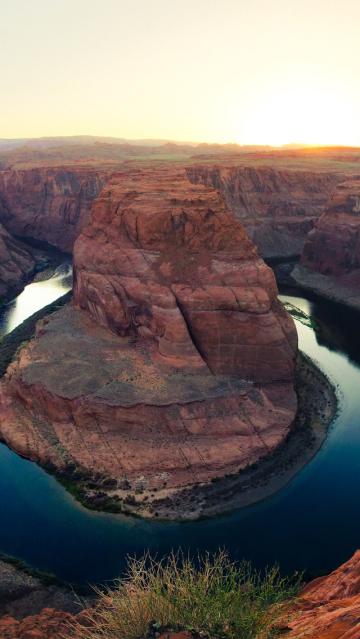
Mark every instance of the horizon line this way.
pixel 161 141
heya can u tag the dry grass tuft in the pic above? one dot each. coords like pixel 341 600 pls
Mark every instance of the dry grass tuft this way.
pixel 213 596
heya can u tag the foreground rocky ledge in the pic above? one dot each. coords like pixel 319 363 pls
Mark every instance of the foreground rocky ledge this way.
pixel 327 608
pixel 24 592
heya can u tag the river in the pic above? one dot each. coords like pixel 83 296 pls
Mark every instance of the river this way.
pixel 313 524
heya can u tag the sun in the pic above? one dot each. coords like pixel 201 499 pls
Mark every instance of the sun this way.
pixel 302 114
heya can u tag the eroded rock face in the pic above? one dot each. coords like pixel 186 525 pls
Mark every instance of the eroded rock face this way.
pixel 166 262
pixel 278 208
pixel 48 204
pixel 330 263
pixel 333 247
pixel 175 365
pixel 48 624
pixel 329 607
pixel 16 264
pixel 22 594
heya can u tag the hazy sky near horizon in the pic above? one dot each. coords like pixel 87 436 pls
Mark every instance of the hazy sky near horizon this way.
pixel 247 71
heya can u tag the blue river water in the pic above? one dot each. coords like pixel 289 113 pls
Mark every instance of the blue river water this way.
pixel 313 524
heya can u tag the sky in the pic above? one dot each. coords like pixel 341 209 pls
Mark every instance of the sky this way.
pixel 245 71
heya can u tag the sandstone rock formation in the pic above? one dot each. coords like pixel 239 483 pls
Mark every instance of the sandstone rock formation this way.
pixel 330 263
pixel 163 260
pixel 16 264
pixel 278 208
pixel 174 366
pixel 329 607
pixel 49 204
pixel 50 623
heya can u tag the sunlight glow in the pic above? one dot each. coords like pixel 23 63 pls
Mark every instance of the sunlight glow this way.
pixel 255 72
pixel 305 114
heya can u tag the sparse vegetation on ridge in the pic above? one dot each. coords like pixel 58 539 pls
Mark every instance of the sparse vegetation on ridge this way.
pixel 213 597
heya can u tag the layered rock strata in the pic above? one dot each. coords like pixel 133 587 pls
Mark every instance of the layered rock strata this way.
pixel 49 204
pixel 175 364
pixel 278 208
pixel 330 263
pixel 329 607
pixel 16 264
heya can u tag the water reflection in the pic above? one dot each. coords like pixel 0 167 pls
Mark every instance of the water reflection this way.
pixel 34 297
pixel 337 327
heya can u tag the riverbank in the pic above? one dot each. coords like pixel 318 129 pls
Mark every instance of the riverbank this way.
pixel 45 260
pixel 25 591
pixel 26 331
pixel 343 291
pixel 317 408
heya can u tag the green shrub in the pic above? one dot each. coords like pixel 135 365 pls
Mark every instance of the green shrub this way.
pixel 213 596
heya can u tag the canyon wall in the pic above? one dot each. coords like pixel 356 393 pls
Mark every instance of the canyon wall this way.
pixel 49 204
pixel 175 364
pixel 16 264
pixel 330 263
pixel 278 208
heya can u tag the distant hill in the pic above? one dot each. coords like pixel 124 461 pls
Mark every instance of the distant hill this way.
pixel 87 150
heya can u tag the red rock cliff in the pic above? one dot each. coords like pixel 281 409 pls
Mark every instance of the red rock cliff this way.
pixel 164 260
pixel 176 363
pixel 330 263
pixel 48 204
pixel 278 208
pixel 333 246
pixel 329 607
pixel 16 263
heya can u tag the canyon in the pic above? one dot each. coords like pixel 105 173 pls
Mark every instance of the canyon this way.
pixel 197 353
pixel 49 198
pixel 42 205
pixel 282 209
pixel 277 207
pixel 48 204
pixel 174 364
pixel 329 607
